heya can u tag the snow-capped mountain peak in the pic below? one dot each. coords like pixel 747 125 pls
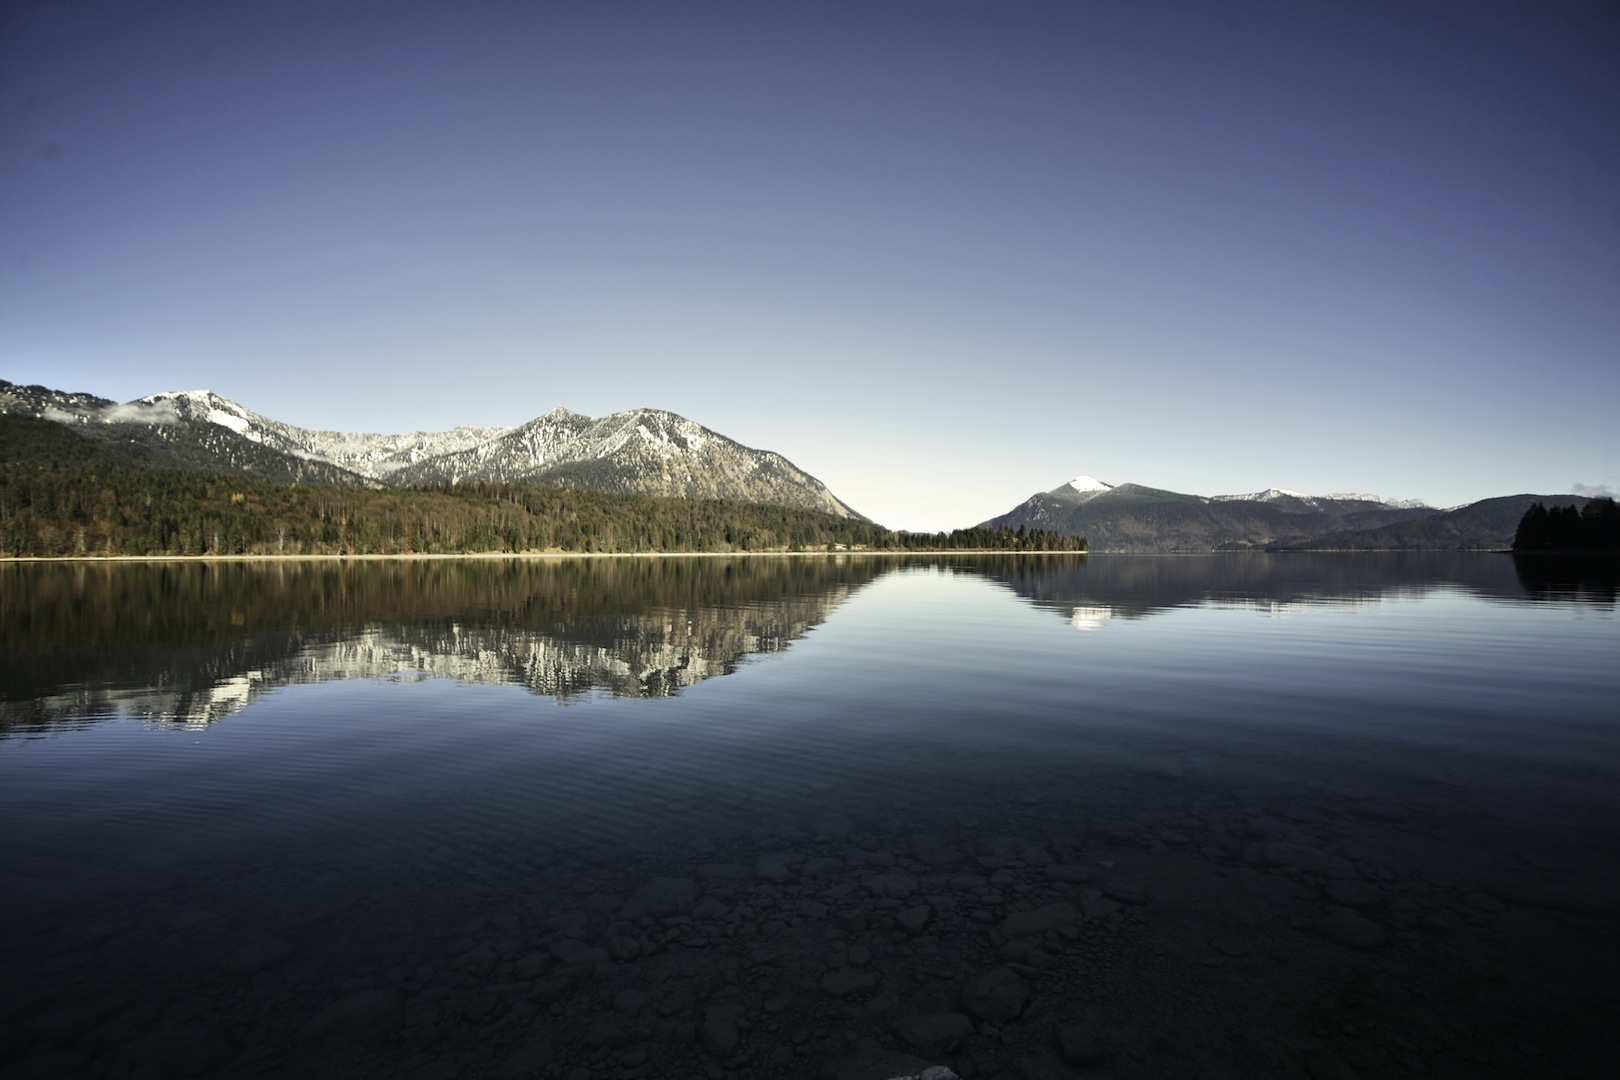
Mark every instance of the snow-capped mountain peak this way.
pixel 1079 490
pixel 1088 483
pixel 209 406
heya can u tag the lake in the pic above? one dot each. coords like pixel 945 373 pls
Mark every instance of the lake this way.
pixel 1040 816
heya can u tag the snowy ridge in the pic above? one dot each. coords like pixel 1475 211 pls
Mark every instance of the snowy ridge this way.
pixel 193 429
pixel 1268 495
pixel 1300 503
pixel 370 455
pixel 1337 502
pixel 641 451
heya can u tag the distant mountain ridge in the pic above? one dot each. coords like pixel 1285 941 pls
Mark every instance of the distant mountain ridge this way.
pixel 1136 518
pixel 1297 502
pixel 1487 524
pixel 641 451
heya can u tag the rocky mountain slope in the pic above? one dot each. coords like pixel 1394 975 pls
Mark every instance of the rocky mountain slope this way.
pixel 642 451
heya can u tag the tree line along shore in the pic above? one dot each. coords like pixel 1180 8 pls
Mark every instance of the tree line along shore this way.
pixel 1592 529
pixel 79 512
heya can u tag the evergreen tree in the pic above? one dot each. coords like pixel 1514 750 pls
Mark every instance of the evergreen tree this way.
pixel 1531 534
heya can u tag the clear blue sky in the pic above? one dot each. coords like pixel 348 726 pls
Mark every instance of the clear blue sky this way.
pixel 941 255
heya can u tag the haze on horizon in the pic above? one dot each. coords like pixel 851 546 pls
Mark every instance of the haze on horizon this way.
pixel 940 255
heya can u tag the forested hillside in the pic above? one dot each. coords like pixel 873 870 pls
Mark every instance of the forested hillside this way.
pixel 85 509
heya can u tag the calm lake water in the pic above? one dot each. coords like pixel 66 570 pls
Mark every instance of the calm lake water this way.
pixel 1225 816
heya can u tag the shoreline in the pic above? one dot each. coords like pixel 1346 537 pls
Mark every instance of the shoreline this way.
pixel 487 555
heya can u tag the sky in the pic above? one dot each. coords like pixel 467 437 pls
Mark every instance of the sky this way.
pixel 939 255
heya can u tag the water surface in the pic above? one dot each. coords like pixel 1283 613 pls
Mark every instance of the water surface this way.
pixel 1230 815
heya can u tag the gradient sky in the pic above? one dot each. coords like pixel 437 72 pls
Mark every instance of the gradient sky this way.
pixel 940 255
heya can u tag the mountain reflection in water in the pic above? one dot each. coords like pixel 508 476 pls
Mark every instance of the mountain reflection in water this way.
pixel 194 642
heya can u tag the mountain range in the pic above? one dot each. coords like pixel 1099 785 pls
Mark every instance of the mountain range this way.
pixel 654 452
pixel 641 451
pixel 1136 518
